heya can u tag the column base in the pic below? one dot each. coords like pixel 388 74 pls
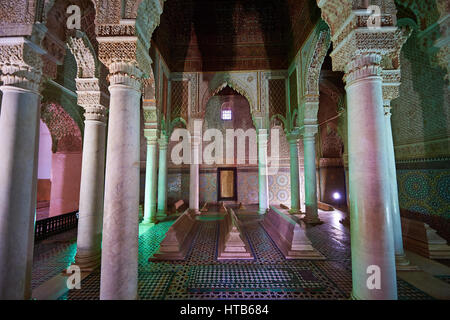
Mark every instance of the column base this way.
pixel 312 221
pixel 403 264
pixel 353 297
pixel 161 215
pixel 86 263
pixel 345 221
pixel 295 211
pixel 148 222
pixel 195 211
pixel 263 210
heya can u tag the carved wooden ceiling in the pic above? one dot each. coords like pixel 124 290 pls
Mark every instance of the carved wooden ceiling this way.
pixel 223 35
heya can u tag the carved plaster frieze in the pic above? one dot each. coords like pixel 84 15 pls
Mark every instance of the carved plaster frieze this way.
pixel 126 53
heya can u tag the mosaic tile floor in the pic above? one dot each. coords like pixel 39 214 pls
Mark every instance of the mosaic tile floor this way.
pixel 52 256
pixel 202 277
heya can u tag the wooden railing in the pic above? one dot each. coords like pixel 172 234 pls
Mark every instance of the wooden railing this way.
pixel 54 225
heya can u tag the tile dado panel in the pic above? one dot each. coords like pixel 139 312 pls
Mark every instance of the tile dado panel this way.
pixel 425 191
pixel 247 185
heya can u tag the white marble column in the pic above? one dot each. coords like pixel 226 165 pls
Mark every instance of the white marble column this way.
pixel 294 170
pixel 372 244
pixel 309 147
pixel 162 177
pixel 119 269
pixel 263 173
pixel 196 158
pixel 19 134
pixel 150 178
pixel 90 221
pixel 400 258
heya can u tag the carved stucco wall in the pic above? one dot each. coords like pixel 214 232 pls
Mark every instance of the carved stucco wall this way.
pixel 421 131
pixel 421 114
pixel 247 174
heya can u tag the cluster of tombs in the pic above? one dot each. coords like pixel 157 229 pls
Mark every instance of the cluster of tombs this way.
pixel 287 232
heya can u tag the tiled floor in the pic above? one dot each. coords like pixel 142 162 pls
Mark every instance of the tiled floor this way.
pixel 201 276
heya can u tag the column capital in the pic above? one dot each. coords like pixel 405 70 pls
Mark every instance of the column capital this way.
pixel 387 111
pixel 92 99
pixel 363 66
pixel 391 85
pixel 151 135
pixel 357 28
pixel 308 113
pixel 309 132
pixel 127 59
pixel 293 136
pixel 21 63
pixel 163 142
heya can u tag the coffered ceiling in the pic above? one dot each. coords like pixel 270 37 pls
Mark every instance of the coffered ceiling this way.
pixel 223 35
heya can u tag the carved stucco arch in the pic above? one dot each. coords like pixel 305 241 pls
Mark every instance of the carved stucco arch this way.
pixel 62 127
pixel 315 61
pixel 221 81
pixel 84 53
pixel 311 64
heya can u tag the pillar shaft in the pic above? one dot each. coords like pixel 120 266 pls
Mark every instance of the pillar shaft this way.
pixel 150 182
pixel 309 146
pixel 119 270
pixel 19 129
pixel 21 71
pixel 162 177
pixel 372 244
pixel 194 179
pixel 263 182
pixel 90 222
pixel 393 203
pixel 295 192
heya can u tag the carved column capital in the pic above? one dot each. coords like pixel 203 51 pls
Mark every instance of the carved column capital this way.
pixel 21 63
pixel 151 135
pixel 363 66
pixel 127 59
pixel 309 132
pixel 356 31
pixel 293 136
pixel 163 142
pixel 308 110
pixel 92 99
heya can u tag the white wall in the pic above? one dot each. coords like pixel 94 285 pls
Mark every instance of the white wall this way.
pixel 45 152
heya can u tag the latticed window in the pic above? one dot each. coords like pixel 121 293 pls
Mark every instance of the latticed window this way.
pixel 277 97
pixel 227 115
pixel 226 111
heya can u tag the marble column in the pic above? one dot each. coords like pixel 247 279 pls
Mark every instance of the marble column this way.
pixel 90 221
pixel 162 177
pixel 150 179
pixel 263 178
pixel 119 265
pixel 394 208
pixel 294 170
pixel 372 245
pixel 309 147
pixel 19 134
pixel 196 157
